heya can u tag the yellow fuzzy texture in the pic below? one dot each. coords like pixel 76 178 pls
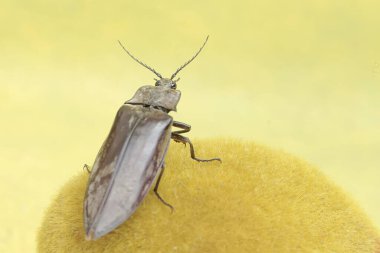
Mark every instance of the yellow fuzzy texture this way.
pixel 257 200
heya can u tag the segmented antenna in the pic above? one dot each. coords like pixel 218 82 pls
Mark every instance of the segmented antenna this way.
pixel 134 58
pixel 186 63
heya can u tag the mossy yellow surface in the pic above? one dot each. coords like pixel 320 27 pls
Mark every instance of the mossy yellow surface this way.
pixel 257 200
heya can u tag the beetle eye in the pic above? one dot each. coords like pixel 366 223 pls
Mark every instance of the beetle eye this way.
pixel 174 86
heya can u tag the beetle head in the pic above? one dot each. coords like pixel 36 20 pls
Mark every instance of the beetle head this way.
pixel 166 82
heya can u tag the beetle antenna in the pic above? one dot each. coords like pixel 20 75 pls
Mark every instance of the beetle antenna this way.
pixel 186 63
pixel 134 58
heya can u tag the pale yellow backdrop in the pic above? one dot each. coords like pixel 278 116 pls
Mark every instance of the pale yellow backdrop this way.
pixel 303 76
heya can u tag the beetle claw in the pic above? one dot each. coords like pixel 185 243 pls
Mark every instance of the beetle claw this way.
pixel 164 202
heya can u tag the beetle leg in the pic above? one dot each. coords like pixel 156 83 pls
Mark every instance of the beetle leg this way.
pixel 179 138
pixel 156 190
pixel 185 127
pixel 86 167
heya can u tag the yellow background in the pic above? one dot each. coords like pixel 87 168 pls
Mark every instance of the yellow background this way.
pixel 303 76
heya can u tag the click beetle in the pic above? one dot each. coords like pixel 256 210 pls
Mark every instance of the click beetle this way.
pixel 133 153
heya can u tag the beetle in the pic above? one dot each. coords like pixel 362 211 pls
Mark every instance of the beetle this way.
pixel 133 153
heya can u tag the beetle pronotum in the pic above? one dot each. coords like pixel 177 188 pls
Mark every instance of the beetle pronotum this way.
pixel 133 153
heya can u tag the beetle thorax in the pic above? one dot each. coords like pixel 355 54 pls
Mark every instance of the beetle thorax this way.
pixel 158 96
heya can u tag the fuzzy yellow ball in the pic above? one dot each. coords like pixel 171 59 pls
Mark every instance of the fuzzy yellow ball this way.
pixel 257 200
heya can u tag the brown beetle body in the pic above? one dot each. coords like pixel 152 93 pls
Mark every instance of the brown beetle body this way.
pixel 132 154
